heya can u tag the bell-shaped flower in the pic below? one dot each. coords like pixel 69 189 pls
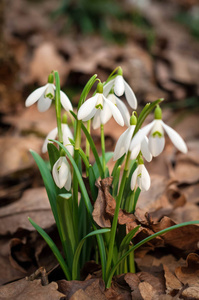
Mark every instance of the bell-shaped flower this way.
pixel 44 96
pixel 66 135
pixel 100 108
pixel 124 142
pixel 156 138
pixel 121 87
pixel 140 178
pixel 62 174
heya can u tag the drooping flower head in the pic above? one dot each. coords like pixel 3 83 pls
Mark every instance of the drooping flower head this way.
pixel 61 173
pixel 67 134
pixel 140 177
pixel 121 87
pixel 44 96
pixel 124 142
pixel 100 108
pixel 156 137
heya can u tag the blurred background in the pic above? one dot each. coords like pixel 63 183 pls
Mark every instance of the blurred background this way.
pixel 157 45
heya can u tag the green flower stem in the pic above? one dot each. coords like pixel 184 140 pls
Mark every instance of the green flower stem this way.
pixel 103 147
pixel 75 181
pixel 58 106
pixel 131 261
pixel 87 142
pixel 115 218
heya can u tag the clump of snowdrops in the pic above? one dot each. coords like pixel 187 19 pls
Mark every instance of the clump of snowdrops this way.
pixel 73 198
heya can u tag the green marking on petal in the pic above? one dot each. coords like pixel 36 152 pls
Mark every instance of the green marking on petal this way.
pixel 49 95
pixel 99 106
pixel 139 175
pixel 157 133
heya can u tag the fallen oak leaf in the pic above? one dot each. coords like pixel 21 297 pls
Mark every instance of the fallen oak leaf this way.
pixel 172 283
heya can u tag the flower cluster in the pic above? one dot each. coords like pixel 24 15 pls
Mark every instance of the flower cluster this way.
pixel 71 196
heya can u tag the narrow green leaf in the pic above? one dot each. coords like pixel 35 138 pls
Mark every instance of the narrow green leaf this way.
pixel 54 249
pixel 79 247
pixel 126 240
pixel 64 210
pixel 86 90
pixel 53 154
pixel 48 182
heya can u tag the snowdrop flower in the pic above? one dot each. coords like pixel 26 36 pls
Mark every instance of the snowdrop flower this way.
pixel 124 142
pixel 120 87
pixel 44 96
pixel 100 108
pixel 141 178
pixel 66 135
pixel 61 173
pixel 156 138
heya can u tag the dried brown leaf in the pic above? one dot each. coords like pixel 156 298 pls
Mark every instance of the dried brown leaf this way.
pixel 23 290
pixel 189 274
pixel 172 283
pixel 184 238
pixel 147 291
pixel 35 204
pixel 191 293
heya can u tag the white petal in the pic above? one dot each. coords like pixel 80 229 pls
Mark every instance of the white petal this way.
pixel 139 136
pixel 116 113
pixel 52 135
pixel 68 182
pixel 106 113
pixel 60 171
pixel 122 145
pixel 134 178
pixel 124 111
pixel 130 96
pixel 43 104
pixel 175 138
pixel 145 149
pixel 96 120
pixel 34 96
pixel 87 108
pixel 145 180
pixel 107 87
pixel 65 101
pixel 66 135
pixel 156 144
pixel 119 85
pixel 135 151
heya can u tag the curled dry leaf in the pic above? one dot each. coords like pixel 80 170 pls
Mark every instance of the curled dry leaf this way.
pixel 147 291
pixel 23 290
pixel 189 274
pixel 184 238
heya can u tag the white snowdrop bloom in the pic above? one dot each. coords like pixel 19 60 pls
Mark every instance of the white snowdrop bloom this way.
pixel 100 108
pixel 62 174
pixel 123 143
pixel 121 87
pixel 121 106
pixel 66 135
pixel 44 96
pixel 140 178
pixel 157 139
